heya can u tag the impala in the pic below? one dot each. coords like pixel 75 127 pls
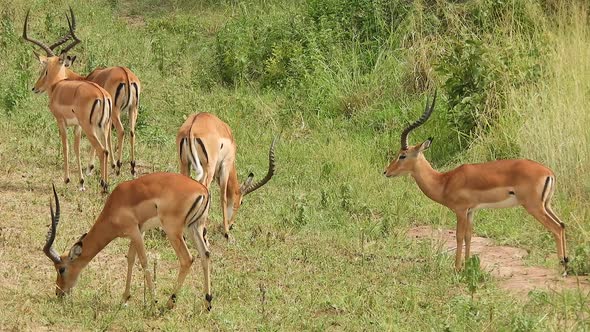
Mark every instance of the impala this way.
pixel 207 143
pixel 81 104
pixel 174 202
pixel 467 188
pixel 122 85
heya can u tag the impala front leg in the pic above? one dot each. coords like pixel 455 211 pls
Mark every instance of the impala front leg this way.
pixel 460 235
pixel 468 232
pixel 77 136
pixel 130 262
pixel 64 143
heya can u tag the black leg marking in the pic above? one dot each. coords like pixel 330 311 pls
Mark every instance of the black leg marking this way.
pixel 119 164
pixel 67 180
pixel 81 182
pixel 91 167
pixel 204 232
pixel 208 254
pixel 226 236
pixel 203 147
pixel 562 225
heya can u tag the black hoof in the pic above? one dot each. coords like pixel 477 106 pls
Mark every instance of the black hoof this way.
pixel 209 298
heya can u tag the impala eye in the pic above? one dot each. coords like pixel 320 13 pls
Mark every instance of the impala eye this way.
pixel 402 157
pixel 62 270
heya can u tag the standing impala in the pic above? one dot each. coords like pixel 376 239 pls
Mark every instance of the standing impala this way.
pixel 122 85
pixel 82 104
pixel 467 188
pixel 174 202
pixel 206 143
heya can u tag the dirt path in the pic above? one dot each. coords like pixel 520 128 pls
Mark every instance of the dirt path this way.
pixel 504 263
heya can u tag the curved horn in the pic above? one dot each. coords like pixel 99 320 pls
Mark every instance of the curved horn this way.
pixel 72 34
pixel 271 171
pixel 48 248
pixel 68 35
pixel 418 123
pixel 34 41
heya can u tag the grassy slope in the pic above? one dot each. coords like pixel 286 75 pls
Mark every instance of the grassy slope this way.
pixel 321 247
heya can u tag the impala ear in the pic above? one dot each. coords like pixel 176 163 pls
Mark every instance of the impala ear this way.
pixel 69 61
pixel 426 144
pixel 76 251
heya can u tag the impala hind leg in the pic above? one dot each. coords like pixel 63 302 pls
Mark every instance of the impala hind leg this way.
pixel 103 154
pixel 130 262
pixel 90 168
pixel 132 122
pixel 120 138
pixel 64 144
pixel 186 260
pixel 554 226
pixel 198 235
pixel 77 137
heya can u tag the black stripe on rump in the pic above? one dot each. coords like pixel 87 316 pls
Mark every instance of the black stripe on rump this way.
pixel 190 211
pixel 182 141
pixel 203 147
pixel 121 86
pixel 196 218
pixel 92 110
pixel 545 187
pixel 136 93
pixel 110 108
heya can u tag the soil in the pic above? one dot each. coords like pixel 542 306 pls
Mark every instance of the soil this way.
pixel 505 263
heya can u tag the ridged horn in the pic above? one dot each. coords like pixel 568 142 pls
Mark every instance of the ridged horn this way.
pixel 48 248
pixel 68 35
pixel 35 41
pixel 271 171
pixel 427 112
pixel 72 34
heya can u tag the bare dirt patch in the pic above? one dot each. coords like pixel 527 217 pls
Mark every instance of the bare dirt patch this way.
pixel 504 263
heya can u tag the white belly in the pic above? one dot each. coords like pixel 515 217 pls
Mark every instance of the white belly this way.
pixel 509 202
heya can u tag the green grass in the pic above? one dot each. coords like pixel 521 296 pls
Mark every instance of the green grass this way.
pixel 323 245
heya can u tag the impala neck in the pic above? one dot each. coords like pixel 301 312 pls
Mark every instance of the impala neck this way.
pixel 233 185
pixel 60 76
pixel 428 179
pixel 96 239
pixel 72 75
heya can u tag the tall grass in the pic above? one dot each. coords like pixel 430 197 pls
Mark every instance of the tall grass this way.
pixel 556 111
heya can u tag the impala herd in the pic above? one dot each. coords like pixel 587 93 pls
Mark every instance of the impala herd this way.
pixel 179 205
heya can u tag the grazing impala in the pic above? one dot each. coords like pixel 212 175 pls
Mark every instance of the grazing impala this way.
pixel 122 85
pixel 467 188
pixel 206 143
pixel 82 104
pixel 174 202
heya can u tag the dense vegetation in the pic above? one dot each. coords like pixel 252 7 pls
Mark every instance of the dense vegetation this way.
pixel 323 245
